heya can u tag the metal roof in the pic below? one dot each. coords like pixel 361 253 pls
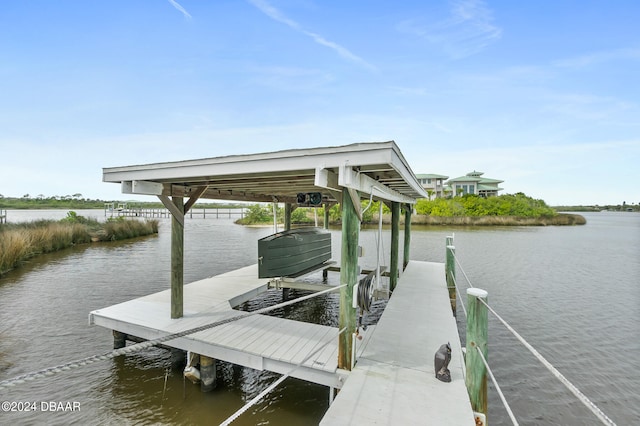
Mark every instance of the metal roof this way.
pixel 373 167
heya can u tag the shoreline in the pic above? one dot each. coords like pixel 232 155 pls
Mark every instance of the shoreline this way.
pixel 561 219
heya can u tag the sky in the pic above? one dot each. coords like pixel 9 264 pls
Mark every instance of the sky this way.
pixel 544 95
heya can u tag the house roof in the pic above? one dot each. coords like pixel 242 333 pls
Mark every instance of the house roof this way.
pixel 465 179
pixel 374 167
pixel 431 176
pixel 475 176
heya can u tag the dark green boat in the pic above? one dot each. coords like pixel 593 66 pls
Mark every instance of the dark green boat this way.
pixel 294 252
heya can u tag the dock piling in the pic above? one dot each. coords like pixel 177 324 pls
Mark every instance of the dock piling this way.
pixel 450 271
pixel 395 237
pixel 119 339
pixel 207 373
pixel 477 330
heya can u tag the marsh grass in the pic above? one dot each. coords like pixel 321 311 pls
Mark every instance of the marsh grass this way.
pixel 19 242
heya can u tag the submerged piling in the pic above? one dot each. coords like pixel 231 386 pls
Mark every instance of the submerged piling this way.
pixel 207 373
pixel 119 339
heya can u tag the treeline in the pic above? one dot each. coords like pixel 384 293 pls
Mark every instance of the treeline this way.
pixel 518 205
pixel 77 202
pixel 505 206
pixel 67 202
pixel 22 241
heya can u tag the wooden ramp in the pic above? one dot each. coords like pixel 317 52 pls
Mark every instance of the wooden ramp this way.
pixel 394 381
pixel 258 341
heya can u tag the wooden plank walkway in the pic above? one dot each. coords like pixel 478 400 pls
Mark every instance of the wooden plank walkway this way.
pixel 394 381
pixel 259 341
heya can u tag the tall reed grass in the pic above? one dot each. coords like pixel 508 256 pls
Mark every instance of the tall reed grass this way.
pixel 19 242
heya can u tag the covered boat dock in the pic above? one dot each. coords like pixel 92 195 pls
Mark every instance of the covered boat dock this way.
pixel 340 174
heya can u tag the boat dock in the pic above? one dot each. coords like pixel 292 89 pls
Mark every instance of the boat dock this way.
pixel 260 342
pixel 393 381
pixel 3 216
pixel 385 377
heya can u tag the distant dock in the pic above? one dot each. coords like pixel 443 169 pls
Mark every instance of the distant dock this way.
pixel 3 216
pixel 111 209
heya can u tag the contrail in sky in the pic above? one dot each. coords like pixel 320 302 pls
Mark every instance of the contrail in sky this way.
pixel 180 8
pixel 276 15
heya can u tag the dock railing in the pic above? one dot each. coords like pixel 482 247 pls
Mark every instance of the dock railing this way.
pixel 3 216
pixel 476 365
pixel 204 213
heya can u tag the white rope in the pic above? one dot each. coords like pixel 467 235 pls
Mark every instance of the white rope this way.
pixel 581 397
pixel 495 383
pixel 462 269
pixel 455 283
pixel 273 385
pixel 149 343
pixel 590 405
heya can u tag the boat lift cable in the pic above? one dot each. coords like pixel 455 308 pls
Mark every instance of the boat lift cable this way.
pixel 495 383
pixel 47 372
pixel 275 384
pixel 581 397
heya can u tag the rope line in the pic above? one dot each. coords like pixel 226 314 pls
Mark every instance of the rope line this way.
pixel 581 397
pixel 578 394
pixel 495 383
pixel 462 270
pixel 47 372
pixel 455 283
pixel 275 384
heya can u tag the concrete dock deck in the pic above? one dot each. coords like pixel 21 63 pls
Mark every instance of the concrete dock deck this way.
pixel 393 382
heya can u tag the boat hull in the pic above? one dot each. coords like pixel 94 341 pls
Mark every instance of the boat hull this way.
pixel 292 253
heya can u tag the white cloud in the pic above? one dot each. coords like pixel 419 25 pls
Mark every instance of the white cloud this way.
pixel 599 57
pixel 180 8
pixel 468 30
pixel 276 15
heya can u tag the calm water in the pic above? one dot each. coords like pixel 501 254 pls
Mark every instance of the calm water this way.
pixel 572 292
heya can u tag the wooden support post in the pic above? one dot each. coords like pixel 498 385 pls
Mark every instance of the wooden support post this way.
pixel 207 373
pixel 477 330
pixel 395 237
pixel 450 271
pixel 178 359
pixel 407 235
pixel 326 216
pixel 349 276
pixel 119 339
pixel 177 259
pixel 287 216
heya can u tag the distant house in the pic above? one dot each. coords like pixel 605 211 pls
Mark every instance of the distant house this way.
pixel 473 183
pixel 433 184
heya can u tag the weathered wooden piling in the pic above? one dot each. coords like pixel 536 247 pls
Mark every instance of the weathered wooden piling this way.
pixel 477 331
pixel 177 259
pixel 288 209
pixel 450 271
pixel 119 339
pixel 406 253
pixel 178 358
pixel 207 373
pixel 395 237
pixel 348 276
pixel 326 216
